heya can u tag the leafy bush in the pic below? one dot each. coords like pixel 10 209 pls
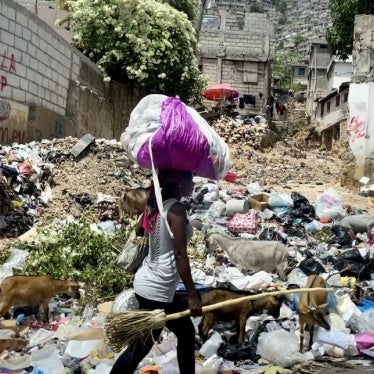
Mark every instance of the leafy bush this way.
pixel 75 251
pixel 147 42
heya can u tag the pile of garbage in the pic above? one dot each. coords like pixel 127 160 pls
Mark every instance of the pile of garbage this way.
pixel 76 177
pixel 40 181
pixel 252 131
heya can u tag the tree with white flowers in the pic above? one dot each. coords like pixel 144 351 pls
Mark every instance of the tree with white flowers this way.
pixel 147 42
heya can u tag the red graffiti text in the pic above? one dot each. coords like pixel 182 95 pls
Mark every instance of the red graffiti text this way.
pixel 8 64
pixel 3 82
pixel 357 128
pixel 9 137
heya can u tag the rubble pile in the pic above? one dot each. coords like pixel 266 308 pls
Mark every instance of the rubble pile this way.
pixel 274 195
pixel 253 132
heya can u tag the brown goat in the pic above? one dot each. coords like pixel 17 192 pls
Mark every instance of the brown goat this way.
pixel 133 201
pixel 240 312
pixel 22 290
pixel 312 309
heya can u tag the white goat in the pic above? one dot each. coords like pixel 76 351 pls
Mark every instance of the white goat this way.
pixel 256 255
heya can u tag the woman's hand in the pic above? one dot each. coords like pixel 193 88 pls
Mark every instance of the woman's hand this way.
pixel 195 305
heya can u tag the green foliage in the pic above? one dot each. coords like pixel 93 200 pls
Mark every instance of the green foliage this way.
pixel 340 35
pixel 149 43
pixel 76 251
pixel 62 4
pixel 280 6
pixel 187 6
pixel 257 8
pixel 282 20
pixel 298 39
pixel 282 66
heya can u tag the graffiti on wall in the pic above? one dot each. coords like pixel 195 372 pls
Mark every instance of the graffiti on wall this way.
pixel 58 131
pixel 9 136
pixel 8 64
pixel 357 128
pixel 4 110
pixel 13 117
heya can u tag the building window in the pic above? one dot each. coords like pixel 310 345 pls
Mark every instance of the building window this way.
pixel 211 23
pixel 300 71
pixel 322 109
pixel 337 102
pixel 345 98
pixel 328 107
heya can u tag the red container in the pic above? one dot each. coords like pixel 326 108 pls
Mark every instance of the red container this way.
pixel 230 177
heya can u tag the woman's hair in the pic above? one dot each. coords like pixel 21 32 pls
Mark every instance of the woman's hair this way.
pixel 170 177
pixel 167 178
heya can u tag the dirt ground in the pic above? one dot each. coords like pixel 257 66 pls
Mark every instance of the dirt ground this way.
pixel 104 169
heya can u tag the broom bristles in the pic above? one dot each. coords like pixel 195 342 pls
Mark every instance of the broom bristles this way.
pixel 124 328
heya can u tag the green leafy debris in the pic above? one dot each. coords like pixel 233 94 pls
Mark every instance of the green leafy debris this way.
pixel 75 251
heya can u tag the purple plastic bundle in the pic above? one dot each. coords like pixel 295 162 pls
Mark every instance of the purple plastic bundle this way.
pixel 180 138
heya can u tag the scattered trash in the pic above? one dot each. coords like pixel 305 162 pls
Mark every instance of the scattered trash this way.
pixel 284 220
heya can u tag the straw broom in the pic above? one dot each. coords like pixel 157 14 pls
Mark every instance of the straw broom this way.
pixel 124 328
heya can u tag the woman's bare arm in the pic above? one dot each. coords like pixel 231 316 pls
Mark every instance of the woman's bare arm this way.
pixel 178 220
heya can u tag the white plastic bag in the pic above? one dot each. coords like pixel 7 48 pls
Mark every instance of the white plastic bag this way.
pixel 48 360
pixel 211 346
pixel 329 205
pixel 281 347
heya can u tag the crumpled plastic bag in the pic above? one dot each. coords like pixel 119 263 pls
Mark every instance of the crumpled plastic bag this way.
pixel 280 204
pixel 281 347
pixel 329 205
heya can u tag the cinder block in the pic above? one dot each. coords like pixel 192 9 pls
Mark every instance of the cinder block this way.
pixel 22 19
pixel 4 21
pixel 18 95
pixel 8 12
pixel 33 26
pixel 364 181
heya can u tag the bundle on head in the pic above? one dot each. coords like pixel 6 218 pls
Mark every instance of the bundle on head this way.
pixel 125 327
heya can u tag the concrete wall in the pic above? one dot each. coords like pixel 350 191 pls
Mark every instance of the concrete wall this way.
pixel 363 47
pixel 361 126
pixel 50 89
pixel 361 97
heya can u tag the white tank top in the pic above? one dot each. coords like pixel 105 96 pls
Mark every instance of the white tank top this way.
pixel 158 277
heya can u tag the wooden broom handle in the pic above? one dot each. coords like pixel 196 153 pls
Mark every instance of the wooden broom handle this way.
pixel 208 308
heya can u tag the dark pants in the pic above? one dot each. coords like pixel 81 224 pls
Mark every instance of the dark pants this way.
pixel 183 329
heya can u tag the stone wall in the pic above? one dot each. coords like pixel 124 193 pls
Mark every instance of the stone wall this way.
pixel 48 88
pixel 363 49
pixel 361 96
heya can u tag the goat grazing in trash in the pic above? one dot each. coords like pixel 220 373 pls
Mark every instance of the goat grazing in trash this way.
pixel 238 312
pixel 22 290
pixel 255 255
pixel 312 309
pixel 354 224
pixel 133 201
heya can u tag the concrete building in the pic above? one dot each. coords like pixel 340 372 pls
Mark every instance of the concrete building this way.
pixel 332 113
pixel 319 61
pixel 300 74
pixel 237 48
pixel 328 83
